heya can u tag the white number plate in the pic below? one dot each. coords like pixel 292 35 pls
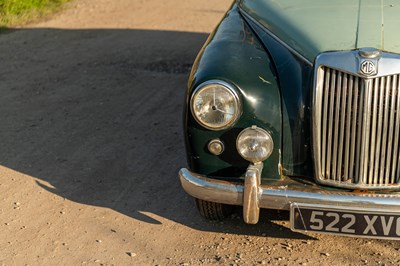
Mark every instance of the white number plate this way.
pixel 344 221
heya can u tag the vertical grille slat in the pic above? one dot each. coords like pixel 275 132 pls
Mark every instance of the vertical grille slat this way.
pixel 366 133
pixel 324 121
pixel 359 120
pixel 354 126
pixel 330 123
pixel 396 130
pixel 378 126
pixel 336 127
pixel 359 132
pixel 388 177
pixel 349 128
pixel 373 136
pixel 342 127
pixel 385 82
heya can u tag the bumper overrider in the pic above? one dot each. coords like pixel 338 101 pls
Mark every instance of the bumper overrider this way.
pixel 281 194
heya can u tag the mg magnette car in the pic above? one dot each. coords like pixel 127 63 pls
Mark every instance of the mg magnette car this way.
pixel 295 105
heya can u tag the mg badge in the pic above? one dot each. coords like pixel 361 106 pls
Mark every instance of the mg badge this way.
pixel 368 68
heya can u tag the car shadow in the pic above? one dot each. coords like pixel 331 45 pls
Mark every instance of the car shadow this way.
pixel 97 114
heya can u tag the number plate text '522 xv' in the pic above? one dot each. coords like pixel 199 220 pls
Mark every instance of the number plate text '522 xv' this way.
pixel 343 221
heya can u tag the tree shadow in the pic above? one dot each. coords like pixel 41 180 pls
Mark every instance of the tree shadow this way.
pixel 97 114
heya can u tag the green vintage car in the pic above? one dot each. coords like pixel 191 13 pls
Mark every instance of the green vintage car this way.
pixel 295 105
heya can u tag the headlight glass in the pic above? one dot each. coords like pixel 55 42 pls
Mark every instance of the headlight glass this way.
pixel 215 105
pixel 254 144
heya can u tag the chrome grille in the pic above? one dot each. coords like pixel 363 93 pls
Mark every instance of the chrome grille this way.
pixel 356 129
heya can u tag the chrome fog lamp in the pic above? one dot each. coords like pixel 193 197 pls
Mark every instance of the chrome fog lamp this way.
pixel 215 105
pixel 254 144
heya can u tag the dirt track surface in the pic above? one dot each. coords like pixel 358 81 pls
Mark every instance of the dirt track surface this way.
pixel 92 142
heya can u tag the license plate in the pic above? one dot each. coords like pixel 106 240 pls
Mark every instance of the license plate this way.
pixel 371 223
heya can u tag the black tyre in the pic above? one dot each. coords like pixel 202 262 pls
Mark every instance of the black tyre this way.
pixel 213 211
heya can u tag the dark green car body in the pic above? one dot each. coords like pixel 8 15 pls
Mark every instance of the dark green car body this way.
pixel 322 78
pixel 236 54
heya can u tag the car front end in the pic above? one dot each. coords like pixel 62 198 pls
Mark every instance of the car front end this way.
pixel 296 106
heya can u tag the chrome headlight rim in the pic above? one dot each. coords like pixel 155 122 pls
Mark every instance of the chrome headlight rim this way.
pixel 231 88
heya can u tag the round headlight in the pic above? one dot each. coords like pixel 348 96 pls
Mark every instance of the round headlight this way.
pixel 215 105
pixel 254 144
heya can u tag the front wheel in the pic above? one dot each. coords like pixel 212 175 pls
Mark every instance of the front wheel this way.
pixel 213 211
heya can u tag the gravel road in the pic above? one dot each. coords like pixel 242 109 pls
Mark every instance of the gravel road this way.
pixel 90 112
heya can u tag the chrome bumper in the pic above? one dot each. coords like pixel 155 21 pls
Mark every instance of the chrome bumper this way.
pixel 279 194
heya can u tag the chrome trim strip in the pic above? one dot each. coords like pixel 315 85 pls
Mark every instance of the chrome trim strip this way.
pixel 325 76
pixel 375 109
pixel 366 132
pixel 276 38
pixel 349 62
pixel 281 194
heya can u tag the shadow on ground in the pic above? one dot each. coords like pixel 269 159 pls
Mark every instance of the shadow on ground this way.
pixel 97 114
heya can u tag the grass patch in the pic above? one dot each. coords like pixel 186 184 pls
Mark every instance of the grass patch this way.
pixel 17 12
